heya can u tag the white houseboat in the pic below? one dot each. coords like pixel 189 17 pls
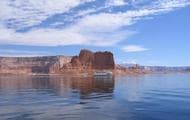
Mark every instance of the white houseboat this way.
pixel 103 74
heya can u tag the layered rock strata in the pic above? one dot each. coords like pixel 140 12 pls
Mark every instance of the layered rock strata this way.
pixel 86 61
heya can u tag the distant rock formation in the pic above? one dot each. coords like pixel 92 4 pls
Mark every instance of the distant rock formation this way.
pixel 103 60
pixel 75 62
pixel 138 69
pixel 29 65
pixel 86 61
pixel 86 57
pixel 90 60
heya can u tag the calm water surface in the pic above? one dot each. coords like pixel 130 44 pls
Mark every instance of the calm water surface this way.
pixel 149 97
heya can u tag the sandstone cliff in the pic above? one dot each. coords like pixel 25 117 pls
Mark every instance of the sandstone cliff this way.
pixel 96 61
pixel 32 65
pixel 86 61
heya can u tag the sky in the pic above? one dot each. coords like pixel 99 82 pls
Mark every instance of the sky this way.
pixel 147 32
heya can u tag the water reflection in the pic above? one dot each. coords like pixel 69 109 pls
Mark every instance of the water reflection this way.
pixel 51 97
pixel 162 97
pixel 58 84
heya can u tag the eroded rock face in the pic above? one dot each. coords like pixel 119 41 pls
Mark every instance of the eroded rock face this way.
pixel 31 65
pixel 97 60
pixel 86 57
pixel 103 60
pixel 75 62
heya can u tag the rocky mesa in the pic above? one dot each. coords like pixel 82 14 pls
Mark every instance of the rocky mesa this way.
pixel 90 60
pixel 87 61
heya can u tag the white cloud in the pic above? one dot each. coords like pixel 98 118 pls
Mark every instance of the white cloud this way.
pixel 117 2
pixel 70 36
pixel 23 13
pixel 169 4
pixel 134 48
pixel 94 27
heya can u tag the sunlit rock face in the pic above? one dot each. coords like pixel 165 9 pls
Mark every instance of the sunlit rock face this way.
pixel 22 65
pixel 86 61
pixel 29 65
pixel 59 64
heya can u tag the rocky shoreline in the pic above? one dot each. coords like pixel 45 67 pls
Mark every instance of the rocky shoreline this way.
pixel 85 64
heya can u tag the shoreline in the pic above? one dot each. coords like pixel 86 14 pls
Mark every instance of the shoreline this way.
pixel 91 75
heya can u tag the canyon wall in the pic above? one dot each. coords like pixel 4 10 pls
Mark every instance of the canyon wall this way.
pixel 32 65
pixel 86 61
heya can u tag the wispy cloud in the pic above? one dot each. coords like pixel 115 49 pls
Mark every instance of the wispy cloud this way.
pixel 134 48
pixel 23 13
pixel 117 2
pixel 80 22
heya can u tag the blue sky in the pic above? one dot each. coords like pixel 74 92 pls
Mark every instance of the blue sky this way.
pixel 148 32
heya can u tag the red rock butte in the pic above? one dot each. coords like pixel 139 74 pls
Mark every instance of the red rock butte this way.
pixel 97 60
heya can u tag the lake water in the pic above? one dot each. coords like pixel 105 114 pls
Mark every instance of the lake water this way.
pixel 147 97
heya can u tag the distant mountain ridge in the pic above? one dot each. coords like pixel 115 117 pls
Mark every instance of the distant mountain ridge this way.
pixel 157 69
